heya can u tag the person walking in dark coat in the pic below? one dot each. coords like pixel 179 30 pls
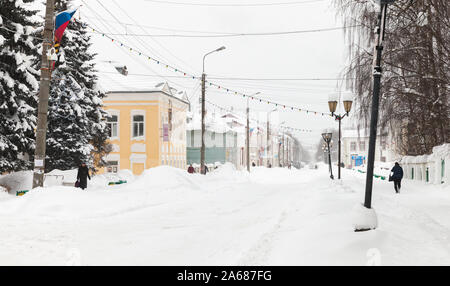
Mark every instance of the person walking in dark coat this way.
pixel 191 169
pixel 83 174
pixel 397 176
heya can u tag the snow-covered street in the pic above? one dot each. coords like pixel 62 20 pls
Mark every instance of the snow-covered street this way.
pixel 269 217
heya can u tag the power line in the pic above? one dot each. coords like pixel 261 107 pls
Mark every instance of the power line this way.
pixel 233 35
pixel 157 42
pixel 251 79
pixel 229 110
pixel 234 5
pixel 164 28
pixel 277 79
pixel 138 40
pixel 228 90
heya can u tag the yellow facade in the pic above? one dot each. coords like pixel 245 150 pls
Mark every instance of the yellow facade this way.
pixel 150 130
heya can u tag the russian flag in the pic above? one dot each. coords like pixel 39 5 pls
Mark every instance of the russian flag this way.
pixel 61 21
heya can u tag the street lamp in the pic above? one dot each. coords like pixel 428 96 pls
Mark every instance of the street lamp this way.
pixel 374 111
pixel 282 144
pixel 268 138
pixel 327 138
pixel 248 131
pixel 202 150
pixel 332 104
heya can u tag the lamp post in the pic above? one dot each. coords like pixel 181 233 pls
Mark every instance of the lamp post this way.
pixel 327 138
pixel 202 150
pixel 268 138
pixel 377 71
pixel 332 104
pixel 248 131
pixel 281 143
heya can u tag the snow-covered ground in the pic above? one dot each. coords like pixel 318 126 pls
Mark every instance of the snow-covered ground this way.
pixel 268 217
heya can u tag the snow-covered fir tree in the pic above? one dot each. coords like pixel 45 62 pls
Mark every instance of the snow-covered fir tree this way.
pixel 18 84
pixel 77 129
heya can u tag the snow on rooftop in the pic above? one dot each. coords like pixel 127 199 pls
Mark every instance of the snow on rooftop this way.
pixel 111 80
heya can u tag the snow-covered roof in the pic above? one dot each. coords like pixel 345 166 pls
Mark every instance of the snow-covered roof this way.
pixel 110 80
pixel 214 122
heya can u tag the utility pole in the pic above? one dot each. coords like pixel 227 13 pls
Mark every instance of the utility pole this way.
pixel 375 102
pixel 288 152
pixel 268 138
pixel 44 89
pixel 248 137
pixel 202 149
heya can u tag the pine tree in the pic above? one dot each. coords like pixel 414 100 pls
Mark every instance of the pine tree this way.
pixel 76 122
pixel 18 84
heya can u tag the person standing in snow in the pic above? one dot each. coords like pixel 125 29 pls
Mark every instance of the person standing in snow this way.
pixel 83 174
pixel 397 176
pixel 191 169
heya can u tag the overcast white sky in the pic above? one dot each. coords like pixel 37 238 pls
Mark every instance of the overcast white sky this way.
pixel 306 55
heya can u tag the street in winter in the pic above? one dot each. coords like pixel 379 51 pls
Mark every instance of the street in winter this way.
pixel 224 133
pixel 268 217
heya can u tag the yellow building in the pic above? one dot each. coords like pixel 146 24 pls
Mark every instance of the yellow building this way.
pixel 148 129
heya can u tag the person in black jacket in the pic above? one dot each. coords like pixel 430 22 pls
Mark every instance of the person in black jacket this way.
pixel 83 174
pixel 397 175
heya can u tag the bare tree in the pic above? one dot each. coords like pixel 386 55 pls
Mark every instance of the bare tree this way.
pixel 415 101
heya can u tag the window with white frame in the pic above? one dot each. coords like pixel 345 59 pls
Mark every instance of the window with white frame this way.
pixel 113 126
pixel 138 126
pixel 352 146
pixel 362 145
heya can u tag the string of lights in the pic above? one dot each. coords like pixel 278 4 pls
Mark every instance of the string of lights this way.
pixel 229 110
pixel 211 84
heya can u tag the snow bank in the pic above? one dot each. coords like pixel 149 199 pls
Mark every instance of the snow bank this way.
pixel 442 150
pixel 70 176
pixel 164 178
pixel 228 171
pixel 17 181
pixel 277 175
pixel 364 218
pixel 105 179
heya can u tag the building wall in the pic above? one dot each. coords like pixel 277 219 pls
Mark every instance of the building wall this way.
pixel 149 150
pixel 433 168
pixel 219 147
pixel 382 151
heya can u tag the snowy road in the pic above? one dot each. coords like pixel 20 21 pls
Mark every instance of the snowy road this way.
pixel 270 217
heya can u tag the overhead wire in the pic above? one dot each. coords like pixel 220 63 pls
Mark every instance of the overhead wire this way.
pixel 229 91
pixel 236 34
pixel 234 5
pixel 100 20
pixel 154 40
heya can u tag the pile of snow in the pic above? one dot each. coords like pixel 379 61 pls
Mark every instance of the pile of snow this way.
pixel 105 179
pixel 228 171
pixel 265 175
pixel 164 178
pixel 364 218
pixel 442 150
pixel 59 177
pixel 17 181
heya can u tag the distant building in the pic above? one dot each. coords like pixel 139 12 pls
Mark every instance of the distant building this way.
pixel 355 146
pixel 221 142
